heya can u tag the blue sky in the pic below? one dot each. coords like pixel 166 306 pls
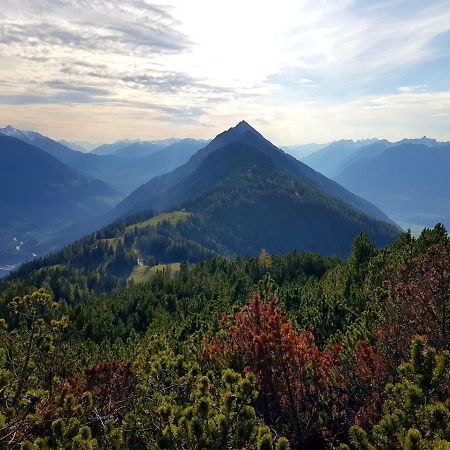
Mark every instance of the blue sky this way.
pixel 298 70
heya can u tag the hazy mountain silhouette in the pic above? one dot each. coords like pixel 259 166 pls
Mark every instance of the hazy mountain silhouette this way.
pixel 409 181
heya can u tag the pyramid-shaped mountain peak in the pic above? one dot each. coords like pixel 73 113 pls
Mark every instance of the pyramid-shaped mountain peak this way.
pixel 243 132
pixel 243 127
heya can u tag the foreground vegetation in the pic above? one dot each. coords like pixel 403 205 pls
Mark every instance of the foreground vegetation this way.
pixel 297 351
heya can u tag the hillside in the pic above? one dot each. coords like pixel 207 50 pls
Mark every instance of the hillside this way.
pixel 365 152
pixel 39 195
pixel 409 181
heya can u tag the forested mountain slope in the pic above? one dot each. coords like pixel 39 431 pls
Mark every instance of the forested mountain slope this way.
pixel 292 351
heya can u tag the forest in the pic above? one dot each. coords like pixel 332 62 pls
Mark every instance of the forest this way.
pixel 296 351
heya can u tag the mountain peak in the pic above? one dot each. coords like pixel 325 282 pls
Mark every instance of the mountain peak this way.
pixel 11 131
pixel 244 127
pixel 19 134
pixel 243 132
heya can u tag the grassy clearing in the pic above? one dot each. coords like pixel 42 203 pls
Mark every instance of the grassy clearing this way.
pixel 172 267
pixel 172 217
pixel 141 274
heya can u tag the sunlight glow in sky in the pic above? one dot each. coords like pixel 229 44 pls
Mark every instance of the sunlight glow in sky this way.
pixel 298 70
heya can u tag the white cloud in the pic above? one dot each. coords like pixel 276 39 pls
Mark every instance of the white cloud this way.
pixel 417 88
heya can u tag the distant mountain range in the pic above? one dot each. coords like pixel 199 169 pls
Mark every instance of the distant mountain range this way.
pixel 139 150
pixel 124 165
pixel 407 179
pixel 94 165
pixel 329 159
pixel 133 148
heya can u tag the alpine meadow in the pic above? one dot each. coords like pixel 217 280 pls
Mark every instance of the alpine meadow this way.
pixel 223 225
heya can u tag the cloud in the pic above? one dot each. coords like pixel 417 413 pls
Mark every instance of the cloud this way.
pixel 64 86
pixel 171 82
pixel 72 96
pixel 409 89
pixel 192 67
pixel 115 26
pixel 352 47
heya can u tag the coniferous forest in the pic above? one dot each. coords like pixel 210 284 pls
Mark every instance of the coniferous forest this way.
pixel 296 351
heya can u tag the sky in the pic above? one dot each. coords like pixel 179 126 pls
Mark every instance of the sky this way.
pixel 299 71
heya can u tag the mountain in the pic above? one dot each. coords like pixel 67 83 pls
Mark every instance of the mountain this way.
pixel 39 195
pixel 124 171
pixel 301 151
pixel 118 146
pixel 240 193
pixel 138 171
pixel 366 151
pixel 159 193
pixel 409 181
pixel 329 159
pixel 133 172
pixel 109 149
pixel 234 197
pixel 138 149
pixel 83 147
pixel 35 183
pixel 334 158
pixel 54 148
pixel 429 142
pixel 271 199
